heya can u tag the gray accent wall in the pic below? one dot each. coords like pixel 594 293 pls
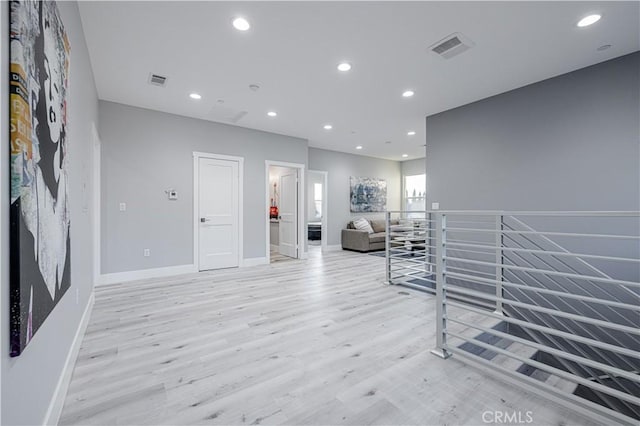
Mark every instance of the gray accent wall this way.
pixel 146 152
pixel 413 167
pixel 340 167
pixel 566 143
pixel 571 142
pixel 30 380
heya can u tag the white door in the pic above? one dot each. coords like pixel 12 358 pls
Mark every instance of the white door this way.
pixel 288 215
pixel 218 192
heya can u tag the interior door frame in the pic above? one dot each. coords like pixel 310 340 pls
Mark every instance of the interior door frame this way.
pixel 96 147
pixel 196 203
pixel 300 216
pixel 325 210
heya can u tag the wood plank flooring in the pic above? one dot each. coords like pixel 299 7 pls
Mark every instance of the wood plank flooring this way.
pixel 303 342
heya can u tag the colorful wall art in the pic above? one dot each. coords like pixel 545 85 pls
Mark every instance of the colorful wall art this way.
pixel 40 248
pixel 368 194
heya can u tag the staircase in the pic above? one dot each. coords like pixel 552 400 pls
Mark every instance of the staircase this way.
pixel 549 300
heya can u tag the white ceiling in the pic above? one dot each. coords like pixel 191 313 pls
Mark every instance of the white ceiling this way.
pixel 293 48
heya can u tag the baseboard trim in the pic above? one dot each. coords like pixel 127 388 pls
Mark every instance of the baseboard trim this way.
pixel 254 261
pixel 57 401
pixel 143 274
pixel 336 247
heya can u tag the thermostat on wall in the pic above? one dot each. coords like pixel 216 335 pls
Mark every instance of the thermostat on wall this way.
pixel 172 193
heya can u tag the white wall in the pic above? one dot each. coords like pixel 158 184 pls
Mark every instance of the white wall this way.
pixel 340 167
pixel 144 153
pixel 29 381
pixel 312 179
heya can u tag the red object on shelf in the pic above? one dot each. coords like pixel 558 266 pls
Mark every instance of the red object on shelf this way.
pixel 273 212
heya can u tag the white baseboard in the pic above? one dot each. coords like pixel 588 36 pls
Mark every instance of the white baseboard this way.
pixel 336 247
pixel 57 401
pixel 254 261
pixel 119 277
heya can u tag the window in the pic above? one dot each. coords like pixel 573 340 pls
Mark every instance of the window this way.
pixel 317 199
pixel 415 193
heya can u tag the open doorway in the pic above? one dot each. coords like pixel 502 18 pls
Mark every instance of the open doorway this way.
pixel 285 211
pixel 317 210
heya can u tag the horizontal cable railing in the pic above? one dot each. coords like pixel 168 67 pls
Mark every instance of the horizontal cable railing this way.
pixel 409 249
pixel 551 300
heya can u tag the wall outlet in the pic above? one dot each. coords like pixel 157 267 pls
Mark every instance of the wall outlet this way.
pixel 123 207
pixel 147 252
pixel 435 206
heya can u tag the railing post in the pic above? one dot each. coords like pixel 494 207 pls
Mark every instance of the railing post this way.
pixel 387 246
pixel 499 260
pixel 441 297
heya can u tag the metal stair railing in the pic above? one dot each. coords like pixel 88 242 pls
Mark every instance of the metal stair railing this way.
pixel 567 309
pixel 571 347
pixel 409 249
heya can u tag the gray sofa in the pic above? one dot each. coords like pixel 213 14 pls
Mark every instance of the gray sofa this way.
pixel 362 241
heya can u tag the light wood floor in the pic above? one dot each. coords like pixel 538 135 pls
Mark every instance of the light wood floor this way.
pixel 316 341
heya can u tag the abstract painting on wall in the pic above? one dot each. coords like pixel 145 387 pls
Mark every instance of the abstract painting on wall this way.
pixel 368 194
pixel 39 242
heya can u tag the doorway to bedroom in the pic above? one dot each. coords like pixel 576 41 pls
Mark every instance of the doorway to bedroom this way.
pixel 285 211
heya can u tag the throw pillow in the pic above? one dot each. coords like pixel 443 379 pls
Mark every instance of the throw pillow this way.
pixel 362 224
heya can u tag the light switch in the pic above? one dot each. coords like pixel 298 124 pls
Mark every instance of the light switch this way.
pixel 435 206
pixel 123 207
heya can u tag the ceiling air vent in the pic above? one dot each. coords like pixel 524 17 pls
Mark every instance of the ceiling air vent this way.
pixel 452 45
pixel 157 80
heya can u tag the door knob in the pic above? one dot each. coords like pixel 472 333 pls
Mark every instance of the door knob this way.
pixel 203 220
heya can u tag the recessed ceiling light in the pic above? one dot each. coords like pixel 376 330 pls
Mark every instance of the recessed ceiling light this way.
pixel 407 93
pixel 328 127
pixel 411 133
pixel 272 113
pixel 344 66
pixel 241 24
pixel 589 20
pixel 195 96
pixel 359 147
pixel 405 155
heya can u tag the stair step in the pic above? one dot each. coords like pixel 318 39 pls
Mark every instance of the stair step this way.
pixel 515 348
pixel 562 384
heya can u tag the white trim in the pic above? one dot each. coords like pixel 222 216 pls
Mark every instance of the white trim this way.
pixel 96 150
pixel 57 400
pixel 196 200
pixel 143 274
pixel 336 247
pixel 273 247
pixel 325 210
pixel 254 261
pixel 301 219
